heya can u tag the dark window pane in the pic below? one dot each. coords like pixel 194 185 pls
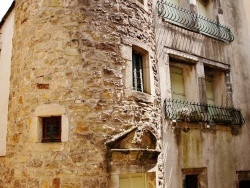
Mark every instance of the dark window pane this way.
pixel 137 71
pixel 244 184
pixel 51 129
pixel 191 181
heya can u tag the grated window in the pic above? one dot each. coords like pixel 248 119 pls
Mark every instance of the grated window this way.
pixel 51 129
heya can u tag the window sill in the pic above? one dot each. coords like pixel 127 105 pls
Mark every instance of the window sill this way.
pixel 138 96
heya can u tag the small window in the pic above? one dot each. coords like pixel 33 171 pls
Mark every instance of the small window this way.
pixel 138 71
pixel 191 181
pixel 194 177
pixel 243 179
pixel 51 129
pixel 141 70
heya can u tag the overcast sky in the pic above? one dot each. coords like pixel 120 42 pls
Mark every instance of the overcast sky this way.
pixel 4 6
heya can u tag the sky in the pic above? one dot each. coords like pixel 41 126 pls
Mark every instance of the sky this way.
pixel 4 6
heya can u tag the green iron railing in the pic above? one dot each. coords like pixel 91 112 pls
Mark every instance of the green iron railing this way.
pixel 190 20
pixel 197 112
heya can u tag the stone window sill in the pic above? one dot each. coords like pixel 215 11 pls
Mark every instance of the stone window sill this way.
pixel 138 96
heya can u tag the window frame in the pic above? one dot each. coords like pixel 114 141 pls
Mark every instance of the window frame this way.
pixel 218 85
pixel 242 176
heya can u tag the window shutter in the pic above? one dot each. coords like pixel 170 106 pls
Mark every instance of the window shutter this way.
pixel 177 83
pixel 209 89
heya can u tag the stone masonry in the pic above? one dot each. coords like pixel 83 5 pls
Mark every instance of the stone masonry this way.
pixel 71 53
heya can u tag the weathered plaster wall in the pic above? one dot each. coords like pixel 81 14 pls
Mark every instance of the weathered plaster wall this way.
pixel 71 54
pixel 240 69
pixel 216 149
pixel 5 64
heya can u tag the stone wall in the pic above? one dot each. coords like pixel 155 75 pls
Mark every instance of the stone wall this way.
pixel 69 53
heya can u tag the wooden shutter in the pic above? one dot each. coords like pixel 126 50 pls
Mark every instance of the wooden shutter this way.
pixel 209 89
pixel 201 6
pixel 177 83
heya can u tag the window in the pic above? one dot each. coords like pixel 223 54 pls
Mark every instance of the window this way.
pixel 243 179
pixel 194 177
pixel 215 86
pixel 244 184
pixel 136 180
pixel 140 70
pixel 137 72
pixel 49 124
pixel 191 181
pixel 177 83
pixel 183 79
pixel 51 129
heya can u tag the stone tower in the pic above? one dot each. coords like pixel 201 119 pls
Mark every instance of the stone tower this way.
pixel 72 60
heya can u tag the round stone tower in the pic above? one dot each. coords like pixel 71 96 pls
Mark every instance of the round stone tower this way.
pixel 84 101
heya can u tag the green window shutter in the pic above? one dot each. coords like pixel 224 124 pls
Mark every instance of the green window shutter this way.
pixel 209 89
pixel 137 72
pixel 177 83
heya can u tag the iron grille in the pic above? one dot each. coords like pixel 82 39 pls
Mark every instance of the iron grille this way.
pixel 197 112
pixel 137 72
pixel 190 20
pixel 51 129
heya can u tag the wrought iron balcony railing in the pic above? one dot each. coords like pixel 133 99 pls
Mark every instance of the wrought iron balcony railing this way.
pixel 196 112
pixel 190 20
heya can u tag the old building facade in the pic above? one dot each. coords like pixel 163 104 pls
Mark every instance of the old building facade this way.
pixel 125 93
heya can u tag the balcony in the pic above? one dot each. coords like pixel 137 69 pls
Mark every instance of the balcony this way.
pixel 192 21
pixel 196 112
